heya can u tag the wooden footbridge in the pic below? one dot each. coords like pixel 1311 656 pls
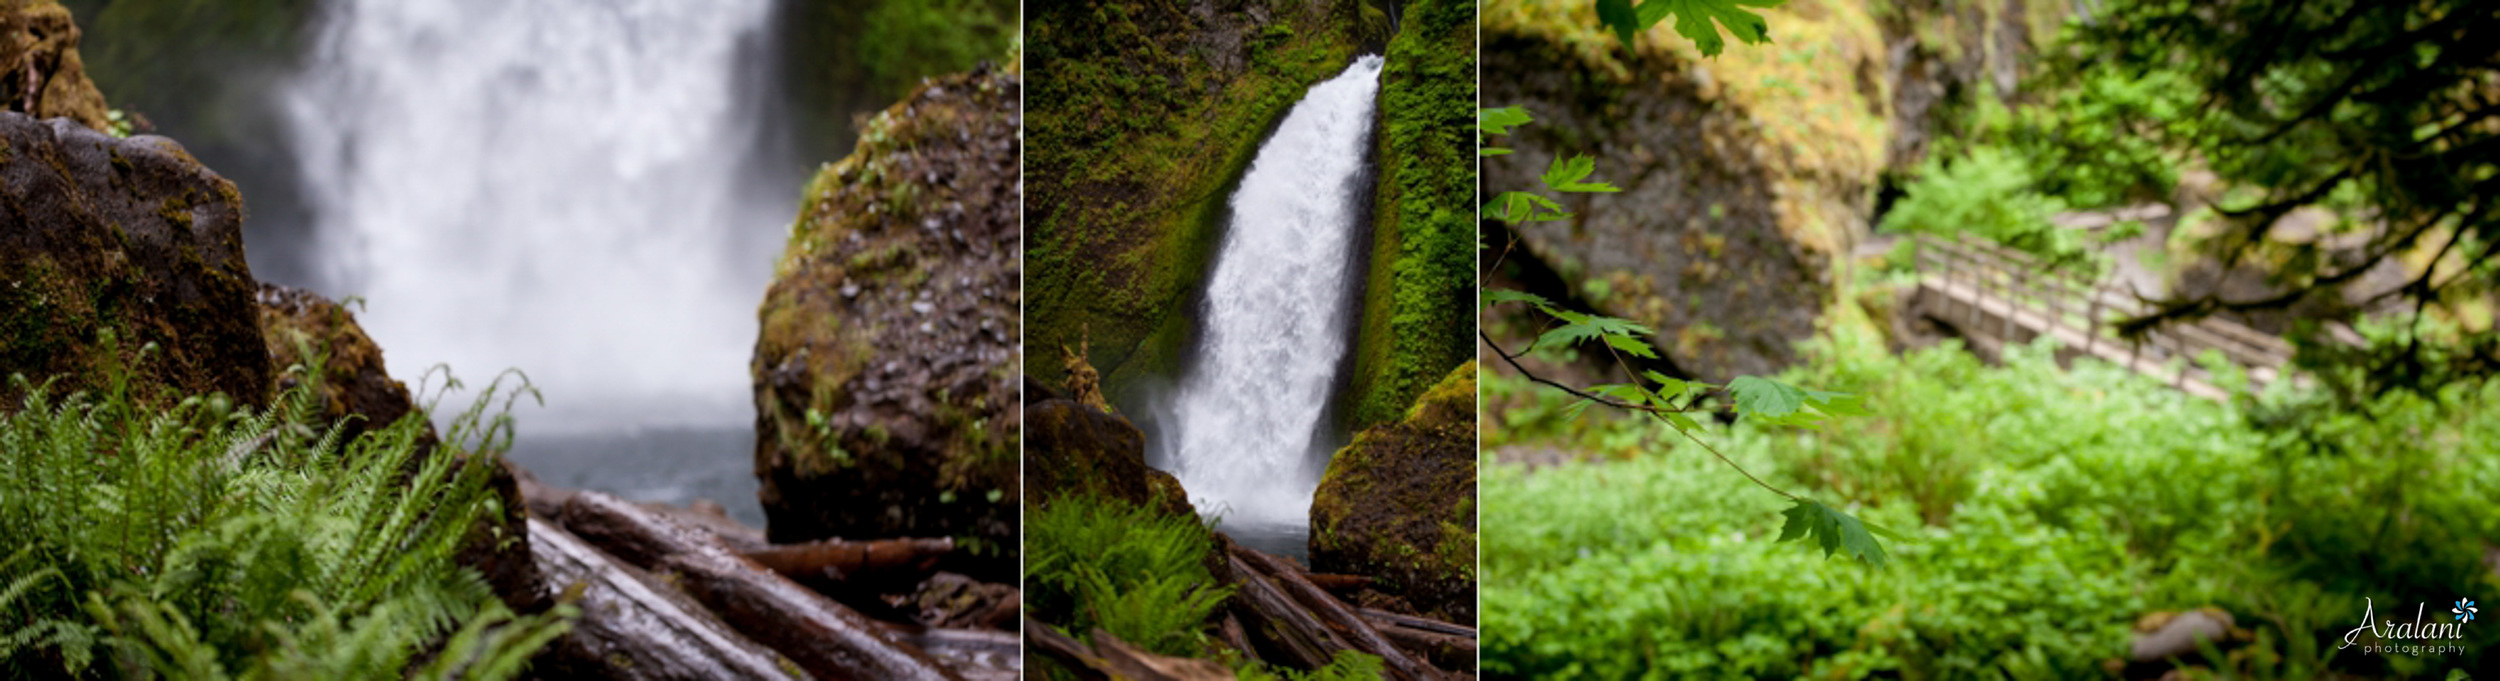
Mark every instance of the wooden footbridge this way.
pixel 1995 296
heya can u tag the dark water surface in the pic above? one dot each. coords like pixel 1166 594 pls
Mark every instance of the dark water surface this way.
pixel 674 465
pixel 1289 540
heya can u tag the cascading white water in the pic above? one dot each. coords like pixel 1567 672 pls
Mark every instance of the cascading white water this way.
pixel 566 188
pixel 1247 413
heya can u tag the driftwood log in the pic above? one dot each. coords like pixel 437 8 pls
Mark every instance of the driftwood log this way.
pixel 1328 609
pixel 632 627
pixel 825 638
pixel 1338 583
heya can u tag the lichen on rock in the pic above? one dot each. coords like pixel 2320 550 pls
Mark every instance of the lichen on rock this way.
pixel 1398 504
pixel 885 374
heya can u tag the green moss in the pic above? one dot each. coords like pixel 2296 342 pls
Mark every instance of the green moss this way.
pixel 1138 128
pixel 1419 287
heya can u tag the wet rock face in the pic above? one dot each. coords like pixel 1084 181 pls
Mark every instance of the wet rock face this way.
pixel 133 235
pixel 885 385
pixel 1399 504
pixel 44 76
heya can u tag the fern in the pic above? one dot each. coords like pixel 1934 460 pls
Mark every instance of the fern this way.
pixel 1134 571
pixel 211 541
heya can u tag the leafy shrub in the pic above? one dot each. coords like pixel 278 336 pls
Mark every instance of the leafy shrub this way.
pixel 208 541
pixel 1133 571
pixel 2080 499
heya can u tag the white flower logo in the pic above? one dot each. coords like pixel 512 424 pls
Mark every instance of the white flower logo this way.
pixel 2464 610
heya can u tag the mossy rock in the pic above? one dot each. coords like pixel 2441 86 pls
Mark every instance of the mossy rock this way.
pixel 131 239
pixel 884 377
pixel 1075 449
pixel 1399 504
pixel 301 328
pixel 1746 177
pixel 39 43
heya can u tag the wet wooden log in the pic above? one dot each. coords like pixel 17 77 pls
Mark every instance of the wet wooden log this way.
pixel 1071 655
pixel 1111 658
pixel 1417 623
pixel 825 638
pixel 1273 618
pixel 1443 650
pixel 1338 583
pixel 840 560
pixel 1230 632
pixel 632 626
pixel 1356 631
pixel 975 654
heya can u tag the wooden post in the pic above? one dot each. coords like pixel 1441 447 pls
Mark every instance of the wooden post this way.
pixel 2092 318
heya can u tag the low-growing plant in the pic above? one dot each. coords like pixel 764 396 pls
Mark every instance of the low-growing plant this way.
pixel 209 540
pixel 1134 571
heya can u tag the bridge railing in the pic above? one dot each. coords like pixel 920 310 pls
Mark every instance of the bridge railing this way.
pixel 2050 299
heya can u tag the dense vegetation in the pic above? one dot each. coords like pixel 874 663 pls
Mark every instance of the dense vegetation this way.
pixel 1140 120
pixel 1140 574
pixel 1422 268
pixel 210 541
pixel 2052 508
pixel 2047 511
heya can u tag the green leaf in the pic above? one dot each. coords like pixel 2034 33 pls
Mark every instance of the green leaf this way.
pixel 1497 296
pixel 1758 397
pixel 1491 151
pixel 1836 404
pixel 1692 19
pixel 1500 121
pixel 1566 175
pixel 1631 345
pixel 1618 15
pixel 1579 327
pixel 1622 392
pixel 1834 531
pixel 1682 422
pixel 1518 207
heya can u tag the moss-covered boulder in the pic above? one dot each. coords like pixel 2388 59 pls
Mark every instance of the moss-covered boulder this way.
pixel 1746 177
pixel 1399 504
pixel 45 77
pixel 127 235
pixel 1074 448
pixel 301 328
pixel 885 377
pixel 1144 115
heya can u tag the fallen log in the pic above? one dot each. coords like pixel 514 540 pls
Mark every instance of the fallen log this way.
pixel 841 560
pixel 1335 613
pixel 1288 629
pixel 1419 623
pixel 1338 583
pixel 1071 655
pixel 633 627
pixel 1443 650
pixel 1111 658
pixel 975 654
pixel 825 638
pixel 1230 632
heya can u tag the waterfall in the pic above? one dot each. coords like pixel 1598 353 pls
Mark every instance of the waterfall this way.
pixel 1248 415
pixel 568 188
